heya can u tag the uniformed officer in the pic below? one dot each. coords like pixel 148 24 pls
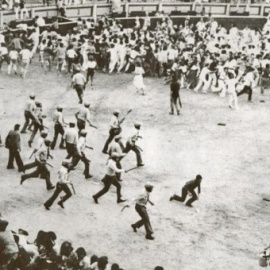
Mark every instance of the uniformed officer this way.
pixel 115 129
pixel 79 81
pixel 42 155
pixel 37 122
pixel 29 111
pixel 58 127
pixel 131 144
pixel 140 207
pixel 71 139
pixel 80 155
pixel 39 145
pixel 110 179
pixel 117 147
pixel 189 188
pixel 62 185
pixel 83 116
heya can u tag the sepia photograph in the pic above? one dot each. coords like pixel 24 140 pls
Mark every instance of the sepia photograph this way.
pixel 134 134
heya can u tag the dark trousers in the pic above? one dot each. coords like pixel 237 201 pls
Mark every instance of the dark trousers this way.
pixel 59 188
pixel 248 90
pixel 80 124
pixel 71 150
pixel 58 129
pixel 70 62
pixel 79 90
pixel 14 154
pixel 141 210
pixel 30 165
pixel 185 191
pixel 28 116
pixel 83 158
pixel 34 132
pixel 113 132
pixel 3 59
pixel 90 74
pixel 108 181
pixel 135 149
pixel 42 171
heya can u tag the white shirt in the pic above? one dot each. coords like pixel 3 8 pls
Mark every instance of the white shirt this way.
pixel 40 143
pixel 63 175
pixel 26 54
pixel 114 123
pixel 71 53
pixel 13 55
pixel 71 136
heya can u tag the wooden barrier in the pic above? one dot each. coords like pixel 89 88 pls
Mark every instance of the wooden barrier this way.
pixel 96 10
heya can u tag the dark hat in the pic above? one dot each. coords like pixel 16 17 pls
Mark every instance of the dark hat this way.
pixel 198 176
pixel 137 125
pixel 32 95
pixel 102 262
pixel 47 141
pixel 86 104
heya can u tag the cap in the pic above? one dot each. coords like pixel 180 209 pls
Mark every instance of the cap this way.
pixel 118 137
pixel 137 125
pixel 148 185
pixel 83 132
pixel 47 141
pixel 38 104
pixel 23 232
pixel 86 104
pixel 32 95
pixel 59 107
pixel 116 112
pixel 43 132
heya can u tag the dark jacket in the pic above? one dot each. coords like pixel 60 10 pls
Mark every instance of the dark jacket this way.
pixel 13 140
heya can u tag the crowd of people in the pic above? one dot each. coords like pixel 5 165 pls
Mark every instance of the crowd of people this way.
pixel 203 56
pixel 46 252
pixel 197 56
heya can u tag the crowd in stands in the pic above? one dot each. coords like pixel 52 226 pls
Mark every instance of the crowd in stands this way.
pixel 46 253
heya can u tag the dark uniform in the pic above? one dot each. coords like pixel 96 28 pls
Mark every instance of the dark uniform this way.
pixel 175 98
pixel 13 143
pixel 189 187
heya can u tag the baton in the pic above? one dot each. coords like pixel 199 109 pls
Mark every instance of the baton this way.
pixel 93 126
pixel 128 112
pixel 89 147
pixel 31 155
pixel 139 148
pixel 48 164
pixel 126 206
pixel 131 169
pixel 73 188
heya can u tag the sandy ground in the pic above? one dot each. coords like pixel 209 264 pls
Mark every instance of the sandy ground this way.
pixel 227 227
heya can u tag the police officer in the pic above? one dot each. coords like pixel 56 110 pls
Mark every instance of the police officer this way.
pixel 110 179
pixel 37 122
pixel 71 139
pixel 189 187
pixel 62 185
pixel 40 144
pixel 114 130
pixel 140 207
pixel 117 147
pixel 58 127
pixel 80 155
pixel 29 112
pixel 131 144
pixel 42 155
pixel 83 116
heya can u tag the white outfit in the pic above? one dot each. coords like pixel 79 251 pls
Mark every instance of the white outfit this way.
pixel 138 78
